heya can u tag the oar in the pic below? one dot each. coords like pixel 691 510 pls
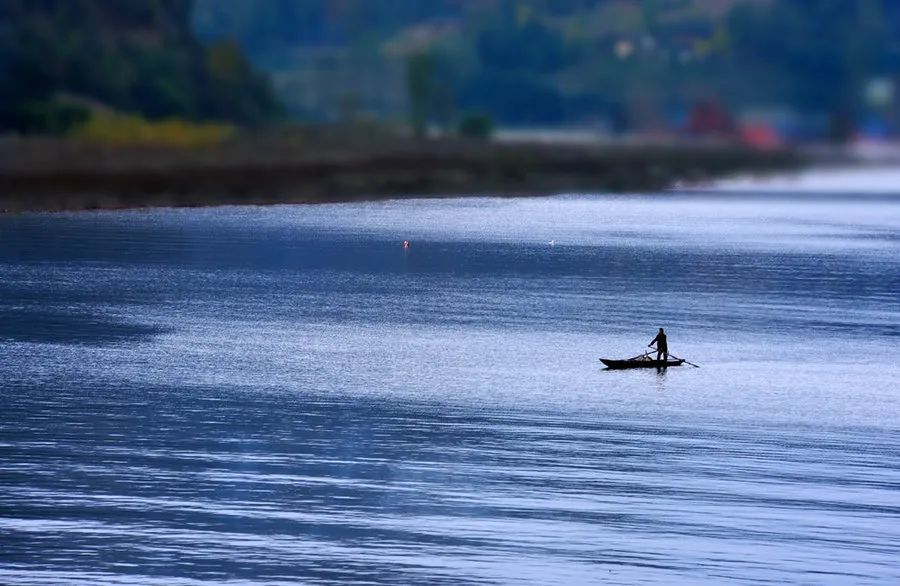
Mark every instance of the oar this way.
pixel 685 361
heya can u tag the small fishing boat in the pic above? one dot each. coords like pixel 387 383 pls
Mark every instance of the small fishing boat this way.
pixel 639 362
pixel 645 360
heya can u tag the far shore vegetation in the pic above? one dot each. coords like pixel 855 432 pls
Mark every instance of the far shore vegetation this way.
pixel 317 165
pixel 197 102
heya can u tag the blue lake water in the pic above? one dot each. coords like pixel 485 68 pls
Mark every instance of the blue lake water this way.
pixel 285 395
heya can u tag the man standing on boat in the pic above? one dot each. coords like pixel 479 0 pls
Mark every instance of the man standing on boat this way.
pixel 662 347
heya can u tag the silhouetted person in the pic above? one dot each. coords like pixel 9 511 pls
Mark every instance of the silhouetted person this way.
pixel 662 346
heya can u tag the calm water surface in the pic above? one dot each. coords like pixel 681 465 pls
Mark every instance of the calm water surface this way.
pixel 284 395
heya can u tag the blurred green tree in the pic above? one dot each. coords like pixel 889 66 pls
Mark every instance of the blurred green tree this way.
pixel 138 56
pixel 476 125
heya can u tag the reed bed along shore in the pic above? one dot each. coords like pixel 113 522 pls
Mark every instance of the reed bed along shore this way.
pixel 56 174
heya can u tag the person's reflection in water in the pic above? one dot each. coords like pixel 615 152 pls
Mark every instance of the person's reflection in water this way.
pixel 662 346
pixel 661 378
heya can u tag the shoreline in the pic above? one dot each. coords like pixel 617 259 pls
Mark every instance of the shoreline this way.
pixel 59 175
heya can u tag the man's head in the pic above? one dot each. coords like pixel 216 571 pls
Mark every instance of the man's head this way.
pixel 661 331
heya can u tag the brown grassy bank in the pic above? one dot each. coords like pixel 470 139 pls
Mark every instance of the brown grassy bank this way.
pixel 43 174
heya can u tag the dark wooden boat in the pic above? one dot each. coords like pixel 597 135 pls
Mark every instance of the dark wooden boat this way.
pixel 639 362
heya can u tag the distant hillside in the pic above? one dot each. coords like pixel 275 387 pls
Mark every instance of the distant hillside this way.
pixel 522 61
pixel 138 56
pixel 616 63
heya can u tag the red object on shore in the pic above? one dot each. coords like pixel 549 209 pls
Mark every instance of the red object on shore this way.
pixel 760 136
pixel 709 118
